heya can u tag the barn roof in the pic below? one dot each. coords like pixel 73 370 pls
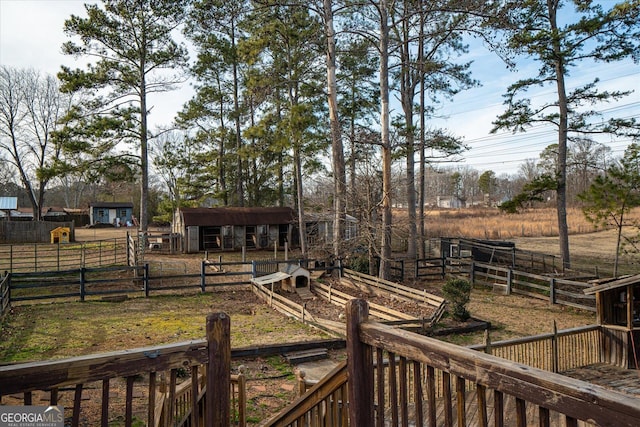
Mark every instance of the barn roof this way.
pixel 615 284
pixel 111 205
pixel 236 216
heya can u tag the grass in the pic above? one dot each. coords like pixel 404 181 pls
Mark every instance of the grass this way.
pixel 58 330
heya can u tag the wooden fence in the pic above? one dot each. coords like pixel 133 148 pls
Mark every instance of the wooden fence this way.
pixel 62 256
pixel 30 231
pixel 76 381
pixel 554 289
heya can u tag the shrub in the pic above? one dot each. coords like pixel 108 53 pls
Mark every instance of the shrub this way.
pixel 458 292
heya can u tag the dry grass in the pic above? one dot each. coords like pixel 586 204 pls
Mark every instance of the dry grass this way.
pixel 494 224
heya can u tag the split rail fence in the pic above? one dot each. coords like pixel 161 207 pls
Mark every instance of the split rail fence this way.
pixel 554 289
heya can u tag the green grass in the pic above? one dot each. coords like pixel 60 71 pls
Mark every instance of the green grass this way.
pixel 66 329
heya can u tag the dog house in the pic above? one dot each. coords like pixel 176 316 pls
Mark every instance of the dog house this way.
pixel 60 235
pixel 290 278
pixel 298 278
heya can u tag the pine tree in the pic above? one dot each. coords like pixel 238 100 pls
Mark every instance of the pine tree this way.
pixel 130 43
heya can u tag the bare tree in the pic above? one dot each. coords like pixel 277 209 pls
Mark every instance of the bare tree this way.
pixel 31 106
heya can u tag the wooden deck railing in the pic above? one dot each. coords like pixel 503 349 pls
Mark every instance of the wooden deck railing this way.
pixel 399 378
pixel 477 388
pixel 557 351
pixel 69 382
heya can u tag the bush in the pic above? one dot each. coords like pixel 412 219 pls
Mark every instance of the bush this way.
pixel 458 292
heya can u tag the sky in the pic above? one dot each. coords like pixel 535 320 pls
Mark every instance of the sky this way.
pixel 31 36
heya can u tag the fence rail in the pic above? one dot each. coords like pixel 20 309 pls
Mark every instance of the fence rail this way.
pixel 555 290
pixel 62 256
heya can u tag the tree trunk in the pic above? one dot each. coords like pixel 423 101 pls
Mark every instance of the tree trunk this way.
pixel 385 246
pixel 298 178
pixel 337 158
pixel 561 202
pixel 144 158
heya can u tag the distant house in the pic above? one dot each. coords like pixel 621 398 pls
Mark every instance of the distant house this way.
pixel 319 227
pixel 119 214
pixel 452 202
pixel 232 228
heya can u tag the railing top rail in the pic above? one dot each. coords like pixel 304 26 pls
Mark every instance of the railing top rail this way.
pixel 56 373
pixel 553 391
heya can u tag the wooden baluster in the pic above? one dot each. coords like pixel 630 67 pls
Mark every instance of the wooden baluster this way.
pixel 543 414
pixel 104 416
pixel 380 386
pixel 461 402
pixel 404 398
pixel 128 413
pixel 481 394
pixel 151 413
pixel 171 401
pixel 393 390
pixel 431 395
pixel 417 394
pixel 194 395
pixel 521 412
pixel 571 422
pixel 447 398
pixel 498 408
pixel 77 398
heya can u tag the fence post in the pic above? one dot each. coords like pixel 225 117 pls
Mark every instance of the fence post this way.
pixel 35 257
pixel 360 366
pixel 340 267
pixel 145 279
pixel 58 260
pixel 487 342
pixel 552 291
pixel 509 281
pixel 203 276
pixel 218 395
pixel 444 267
pixel 472 272
pixel 254 269
pixel 82 278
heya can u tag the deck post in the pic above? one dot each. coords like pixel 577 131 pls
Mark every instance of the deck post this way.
pixel 360 366
pixel 218 395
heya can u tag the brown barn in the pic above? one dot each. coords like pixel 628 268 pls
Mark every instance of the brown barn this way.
pixel 232 228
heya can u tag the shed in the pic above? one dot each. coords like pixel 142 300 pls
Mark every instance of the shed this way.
pixel 618 312
pixel 119 214
pixel 232 228
pixel 60 235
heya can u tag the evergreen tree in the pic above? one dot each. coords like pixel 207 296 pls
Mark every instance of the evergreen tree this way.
pixel 598 35
pixel 612 195
pixel 130 43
